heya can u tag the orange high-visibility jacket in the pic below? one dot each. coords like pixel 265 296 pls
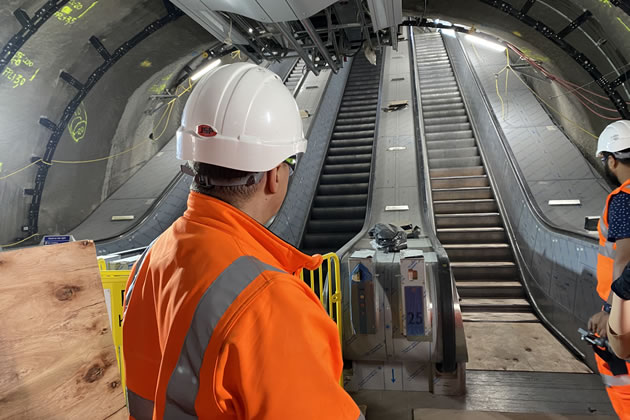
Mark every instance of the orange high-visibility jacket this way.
pixel 607 249
pixel 217 327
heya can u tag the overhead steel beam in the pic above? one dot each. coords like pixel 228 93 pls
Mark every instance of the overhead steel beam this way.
pixel 286 31
pixel 528 5
pixel 310 29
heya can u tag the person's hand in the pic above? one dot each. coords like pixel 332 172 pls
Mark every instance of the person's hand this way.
pixel 598 324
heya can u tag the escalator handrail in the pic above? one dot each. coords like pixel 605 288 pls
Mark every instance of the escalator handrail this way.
pixel 444 285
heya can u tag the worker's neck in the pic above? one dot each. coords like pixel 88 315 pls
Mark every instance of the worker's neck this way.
pixel 623 173
pixel 256 210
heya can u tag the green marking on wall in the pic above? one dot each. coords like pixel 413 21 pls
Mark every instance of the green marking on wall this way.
pixel 0 167
pixel 78 125
pixel 606 3
pixel 73 11
pixel 160 87
pixel 534 56
pixel 20 70
pixel 624 24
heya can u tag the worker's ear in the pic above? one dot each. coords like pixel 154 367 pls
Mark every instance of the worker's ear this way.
pixel 273 180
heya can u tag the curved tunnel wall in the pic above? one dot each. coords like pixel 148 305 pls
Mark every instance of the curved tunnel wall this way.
pixel 72 191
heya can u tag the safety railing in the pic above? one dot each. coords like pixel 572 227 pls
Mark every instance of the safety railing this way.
pixel 114 282
pixel 325 281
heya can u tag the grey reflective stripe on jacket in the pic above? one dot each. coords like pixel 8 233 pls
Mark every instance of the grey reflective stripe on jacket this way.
pixel 183 385
pixel 140 408
pixel 361 417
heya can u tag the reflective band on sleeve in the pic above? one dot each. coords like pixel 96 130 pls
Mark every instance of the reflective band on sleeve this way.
pixel 620 380
pixel 608 250
pixel 361 417
pixel 139 408
pixel 183 385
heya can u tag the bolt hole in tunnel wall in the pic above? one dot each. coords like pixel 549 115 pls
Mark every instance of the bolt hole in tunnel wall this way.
pixel 31 88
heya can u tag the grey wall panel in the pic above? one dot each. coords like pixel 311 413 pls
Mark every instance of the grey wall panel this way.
pixel 557 266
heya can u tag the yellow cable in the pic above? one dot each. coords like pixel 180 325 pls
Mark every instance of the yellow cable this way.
pixel 554 109
pixel 103 158
pixel 20 170
pixel 18 242
pixel 496 84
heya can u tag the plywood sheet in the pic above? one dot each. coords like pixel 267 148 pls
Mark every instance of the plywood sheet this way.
pixel 57 357
pixel 440 414
pixel 517 347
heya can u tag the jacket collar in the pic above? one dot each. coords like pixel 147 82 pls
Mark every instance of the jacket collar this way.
pixel 217 214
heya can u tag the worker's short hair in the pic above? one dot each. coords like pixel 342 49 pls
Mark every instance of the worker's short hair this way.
pixel 625 161
pixel 234 195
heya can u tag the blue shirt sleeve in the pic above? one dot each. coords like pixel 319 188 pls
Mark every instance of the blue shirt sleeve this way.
pixel 619 217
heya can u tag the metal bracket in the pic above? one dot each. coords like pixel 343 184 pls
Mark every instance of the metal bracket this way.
pixel 22 17
pixel 100 48
pixel 69 79
pixel 575 24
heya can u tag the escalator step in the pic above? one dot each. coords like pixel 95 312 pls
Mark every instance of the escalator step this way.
pixel 340 200
pixel 352 142
pixel 344 178
pixel 472 171
pixel 467 220
pixel 337 151
pixel 466 193
pixel 450 144
pixel 471 235
pixel 465 206
pixel 342 189
pixel 478 252
pixel 455 162
pixel 335 226
pixel 450 135
pixel 461 152
pixel 349 159
pixel 338 213
pixel 484 270
pixel 347 168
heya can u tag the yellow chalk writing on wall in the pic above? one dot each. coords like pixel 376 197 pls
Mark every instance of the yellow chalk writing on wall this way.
pixel 78 125
pixel 20 70
pixel 73 11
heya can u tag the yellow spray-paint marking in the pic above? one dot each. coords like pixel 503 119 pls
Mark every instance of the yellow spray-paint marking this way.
pixel 146 64
pixel 0 167
pixel 624 24
pixel 87 10
pixel 518 34
pixel 33 77
pixel 159 88
pixel 78 125
pixel 606 3
pixel 534 56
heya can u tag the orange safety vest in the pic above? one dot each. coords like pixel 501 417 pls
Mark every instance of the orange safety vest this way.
pixel 607 249
pixel 216 326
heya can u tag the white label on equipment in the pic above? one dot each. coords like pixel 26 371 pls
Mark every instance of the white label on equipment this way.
pixel 108 302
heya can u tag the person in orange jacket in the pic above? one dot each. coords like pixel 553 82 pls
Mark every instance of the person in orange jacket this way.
pixel 216 323
pixel 614 254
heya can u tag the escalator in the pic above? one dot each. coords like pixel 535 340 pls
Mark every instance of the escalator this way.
pixel 339 206
pixel 292 81
pixel 467 216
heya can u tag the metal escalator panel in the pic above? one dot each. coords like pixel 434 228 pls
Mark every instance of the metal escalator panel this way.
pixel 340 203
pixel 467 216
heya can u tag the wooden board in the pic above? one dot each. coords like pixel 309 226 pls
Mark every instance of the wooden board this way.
pixel 57 357
pixel 535 393
pixel 518 347
pixel 440 414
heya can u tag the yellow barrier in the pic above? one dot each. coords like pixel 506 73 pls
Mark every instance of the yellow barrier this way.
pixel 331 263
pixel 114 282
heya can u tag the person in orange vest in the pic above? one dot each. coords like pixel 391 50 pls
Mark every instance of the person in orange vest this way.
pixel 613 148
pixel 216 324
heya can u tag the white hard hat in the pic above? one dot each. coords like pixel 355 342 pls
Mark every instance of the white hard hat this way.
pixel 614 138
pixel 240 116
